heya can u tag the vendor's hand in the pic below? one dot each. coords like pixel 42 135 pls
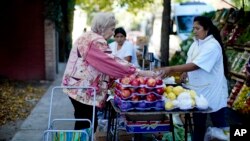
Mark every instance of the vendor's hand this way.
pixel 184 77
pixel 167 71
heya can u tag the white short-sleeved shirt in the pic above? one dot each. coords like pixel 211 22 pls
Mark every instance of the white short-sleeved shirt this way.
pixel 126 50
pixel 209 80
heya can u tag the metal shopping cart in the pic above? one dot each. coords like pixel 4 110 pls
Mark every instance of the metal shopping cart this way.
pixel 52 134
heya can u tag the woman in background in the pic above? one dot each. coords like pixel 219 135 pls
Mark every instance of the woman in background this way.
pixel 123 48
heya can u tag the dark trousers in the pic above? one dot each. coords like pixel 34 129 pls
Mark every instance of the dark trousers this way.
pixel 218 119
pixel 83 111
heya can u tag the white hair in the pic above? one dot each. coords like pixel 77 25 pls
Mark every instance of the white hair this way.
pixel 102 21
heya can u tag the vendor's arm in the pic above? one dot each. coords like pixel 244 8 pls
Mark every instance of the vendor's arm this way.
pixel 179 68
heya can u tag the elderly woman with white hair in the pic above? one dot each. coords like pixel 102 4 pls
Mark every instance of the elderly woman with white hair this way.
pixel 91 64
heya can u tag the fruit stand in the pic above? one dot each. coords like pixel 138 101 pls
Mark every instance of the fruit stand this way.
pixel 147 105
pixel 161 121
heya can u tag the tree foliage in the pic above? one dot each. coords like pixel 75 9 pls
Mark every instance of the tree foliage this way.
pixel 133 6
pixel 240 3
pixel 61 12
pixel 107 5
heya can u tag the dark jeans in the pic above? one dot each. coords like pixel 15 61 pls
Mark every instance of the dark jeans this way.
pixel 200 122
pixel 83 111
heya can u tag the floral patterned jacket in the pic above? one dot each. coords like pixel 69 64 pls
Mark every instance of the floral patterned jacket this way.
pixel 91 64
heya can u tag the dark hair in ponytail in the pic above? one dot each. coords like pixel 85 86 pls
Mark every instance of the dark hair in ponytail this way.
pixel 207 24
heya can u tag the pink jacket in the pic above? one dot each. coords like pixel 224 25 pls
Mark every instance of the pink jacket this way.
pixel 91 64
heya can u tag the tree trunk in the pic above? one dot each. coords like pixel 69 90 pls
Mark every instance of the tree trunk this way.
pixel 165 33
pixel 65 33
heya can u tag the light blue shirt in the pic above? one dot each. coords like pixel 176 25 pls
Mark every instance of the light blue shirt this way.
pixel 127 49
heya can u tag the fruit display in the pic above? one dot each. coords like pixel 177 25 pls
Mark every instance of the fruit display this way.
pixel 143 93
pixel 242 101
pixel 182 98
pixel 234 93
pixel 239 62
pixel 139 93
pixel 244 38
pixel 231 55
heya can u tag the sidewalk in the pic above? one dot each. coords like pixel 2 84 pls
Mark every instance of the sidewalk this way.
pixel 36 123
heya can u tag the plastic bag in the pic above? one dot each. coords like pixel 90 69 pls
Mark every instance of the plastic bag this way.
pixel 216 133
pixel 179 133
pixel 201 102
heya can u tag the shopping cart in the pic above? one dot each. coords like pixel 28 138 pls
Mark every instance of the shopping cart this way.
pixel 52 134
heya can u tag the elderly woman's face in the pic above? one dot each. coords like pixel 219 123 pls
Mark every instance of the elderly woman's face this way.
pixel 199 31
pixel 109 32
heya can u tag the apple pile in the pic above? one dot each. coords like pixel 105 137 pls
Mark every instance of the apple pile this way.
pixel 137 81
pixel 138 85
pixel 142 92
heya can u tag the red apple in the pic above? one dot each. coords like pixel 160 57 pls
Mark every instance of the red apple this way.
pixel 135 98
pixel 151 82
pixel 146 79
pixel 135 82
pixel 159 82
pixel 151 97
pixel 125 80
pixel 118 86
pixel 133 90
pixel 125 93
pixel 142 90
pixel 159 91
pixel 141 79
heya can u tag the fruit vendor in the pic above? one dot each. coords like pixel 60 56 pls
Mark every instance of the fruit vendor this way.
pixel 91 64
pixel 205 71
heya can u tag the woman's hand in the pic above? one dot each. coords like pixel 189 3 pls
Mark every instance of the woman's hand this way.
pixel 164 71
pixel 155 74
